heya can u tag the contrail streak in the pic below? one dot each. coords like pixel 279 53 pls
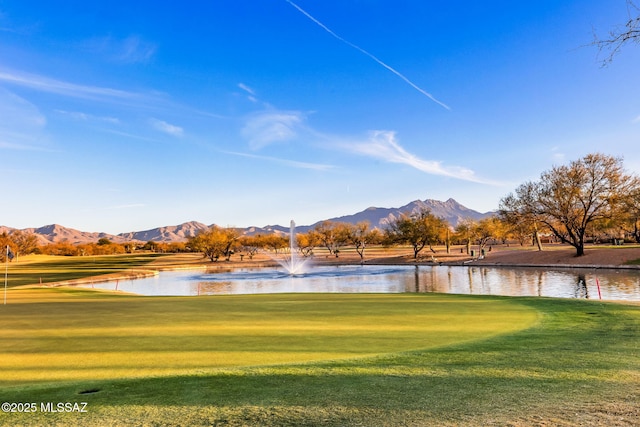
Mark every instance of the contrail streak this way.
pixel 347 42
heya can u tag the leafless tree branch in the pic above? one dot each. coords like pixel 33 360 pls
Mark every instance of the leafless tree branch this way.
pixel 619 36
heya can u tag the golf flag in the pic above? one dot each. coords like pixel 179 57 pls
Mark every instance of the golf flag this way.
pixel 6 271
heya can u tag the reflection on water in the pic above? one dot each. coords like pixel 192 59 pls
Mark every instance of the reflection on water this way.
pixel 564 283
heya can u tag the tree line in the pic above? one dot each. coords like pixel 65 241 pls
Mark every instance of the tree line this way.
pixel 418 230
pixel 24 243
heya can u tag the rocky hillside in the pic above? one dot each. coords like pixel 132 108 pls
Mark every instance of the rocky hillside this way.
pixel 171 233
pixel 450 210
pixel 54 233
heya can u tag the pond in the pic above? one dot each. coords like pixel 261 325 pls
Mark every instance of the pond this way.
pixel 609 284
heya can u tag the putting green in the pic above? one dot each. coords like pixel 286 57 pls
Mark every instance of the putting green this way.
pixel 73 335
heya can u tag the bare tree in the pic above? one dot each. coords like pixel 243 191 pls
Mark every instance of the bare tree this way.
pixel 519 211
pixel 307 242
pixel 332 235
pixel 250 244
pixel 488 229
pixel 359 235
pixel 620 36
pixel 571 199
pixel 630 212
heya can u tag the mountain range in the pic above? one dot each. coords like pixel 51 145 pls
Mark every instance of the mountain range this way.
pixel 450 210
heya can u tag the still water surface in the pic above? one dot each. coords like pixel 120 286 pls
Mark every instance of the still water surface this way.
pixel 563 283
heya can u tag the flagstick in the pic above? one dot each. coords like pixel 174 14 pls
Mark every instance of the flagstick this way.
pixel 6 274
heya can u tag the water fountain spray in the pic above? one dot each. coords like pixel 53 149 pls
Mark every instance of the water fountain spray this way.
pixel 294 264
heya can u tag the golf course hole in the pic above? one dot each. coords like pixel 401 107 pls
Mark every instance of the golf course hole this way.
pixel 89 391
pixel 179 336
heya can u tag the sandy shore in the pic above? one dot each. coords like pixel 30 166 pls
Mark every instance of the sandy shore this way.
pixel 501 255
pixel 564 256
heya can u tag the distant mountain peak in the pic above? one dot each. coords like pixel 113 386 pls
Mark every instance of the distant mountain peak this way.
pixel 450 210
pixel 378 217
pixel 170 233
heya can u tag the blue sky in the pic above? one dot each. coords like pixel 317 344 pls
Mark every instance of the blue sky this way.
pixel 119 116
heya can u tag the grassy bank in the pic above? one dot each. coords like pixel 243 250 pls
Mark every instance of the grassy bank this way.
pixel 320 360
pixel 42 269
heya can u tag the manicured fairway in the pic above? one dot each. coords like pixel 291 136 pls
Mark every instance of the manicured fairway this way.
pixel 75 335
pixel 320 360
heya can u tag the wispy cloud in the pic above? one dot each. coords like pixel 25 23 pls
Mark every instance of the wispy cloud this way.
pixel 286 162
pixel 134 49
pixel 86 117
pixel 22 125
pixel 636 120
pixel 153 100
pixel 130 135
pixel 383 145
pixel 246 88
pixel 4 145
pixel 557 155
pixel 271 126
pixel 251 92
pixel 46 84
pixel 131 49
pixel 361 50
pixel 167 128
pixel 268 127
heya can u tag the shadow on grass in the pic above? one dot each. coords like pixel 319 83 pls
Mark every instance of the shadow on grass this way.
pixel 580 363
pixel 334 398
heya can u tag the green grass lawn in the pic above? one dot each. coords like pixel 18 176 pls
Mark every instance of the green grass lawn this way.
pixel 319 359
pixel 36 269
pixel 74 334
